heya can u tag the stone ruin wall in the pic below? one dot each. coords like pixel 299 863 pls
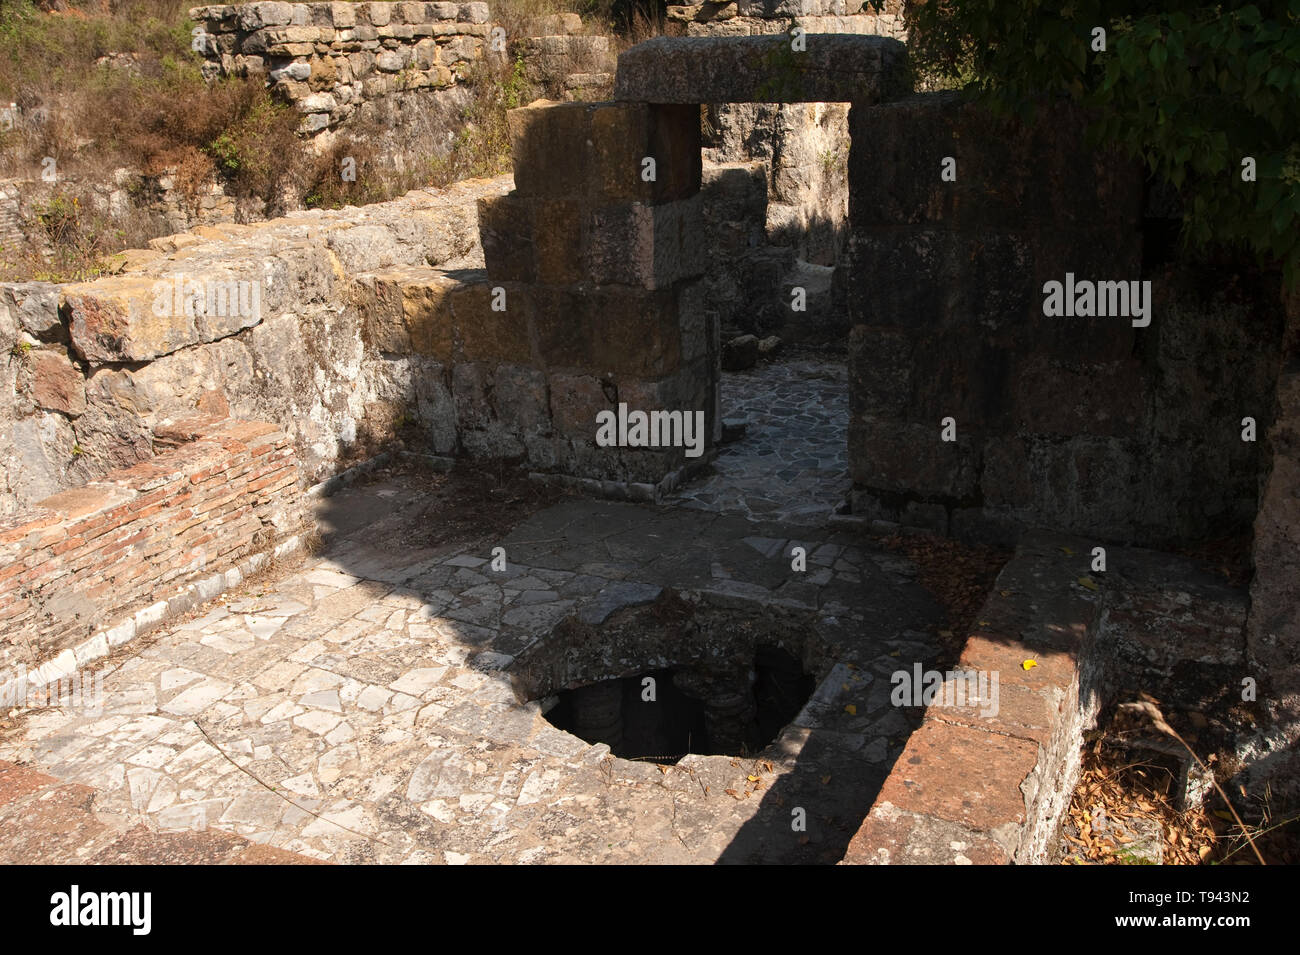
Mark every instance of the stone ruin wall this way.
pixel 1086 425
pixel 342 64
pixel 795 216
pixel 89 371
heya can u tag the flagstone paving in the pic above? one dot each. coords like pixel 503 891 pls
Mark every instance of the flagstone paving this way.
pixel 792 463
pixel 358 708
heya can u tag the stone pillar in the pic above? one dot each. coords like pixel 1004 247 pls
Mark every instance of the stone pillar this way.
pixel 604 229
pixel 943 282
pixel 1273 625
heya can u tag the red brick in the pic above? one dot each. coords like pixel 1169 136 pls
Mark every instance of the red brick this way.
pixel 64 546
pixel 961 775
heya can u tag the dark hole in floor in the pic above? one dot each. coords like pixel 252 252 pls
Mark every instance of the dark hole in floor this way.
pixel 662 715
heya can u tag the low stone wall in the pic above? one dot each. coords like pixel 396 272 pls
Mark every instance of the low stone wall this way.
pixel 86 559
pixel 328 58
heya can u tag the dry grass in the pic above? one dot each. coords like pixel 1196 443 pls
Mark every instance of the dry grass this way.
pixel 146 108
pixel 1127 800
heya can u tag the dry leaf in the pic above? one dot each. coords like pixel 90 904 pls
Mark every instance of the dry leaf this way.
pixel 1088 583
pixel 851 709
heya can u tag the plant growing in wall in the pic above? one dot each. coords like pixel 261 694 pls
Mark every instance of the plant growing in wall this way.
pixel 1207 96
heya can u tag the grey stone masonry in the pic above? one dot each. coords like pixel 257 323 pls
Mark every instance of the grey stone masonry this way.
pixel 819 68
pixel 328 58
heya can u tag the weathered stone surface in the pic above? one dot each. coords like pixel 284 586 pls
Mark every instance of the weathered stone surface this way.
pixel 762 70
pixel 598 152
pixel 112 320
pixel 740 353
pixel 35 308
pixel 53 383
pixel 1273 626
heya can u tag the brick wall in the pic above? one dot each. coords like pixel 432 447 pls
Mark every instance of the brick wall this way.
pixel 80 561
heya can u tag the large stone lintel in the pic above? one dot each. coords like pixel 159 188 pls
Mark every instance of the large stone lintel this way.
pixel 763 69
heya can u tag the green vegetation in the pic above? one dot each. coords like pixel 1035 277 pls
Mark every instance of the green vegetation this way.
pixel 1192 89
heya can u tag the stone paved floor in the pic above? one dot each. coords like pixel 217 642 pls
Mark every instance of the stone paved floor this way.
pixel 358 708
pixel 792 464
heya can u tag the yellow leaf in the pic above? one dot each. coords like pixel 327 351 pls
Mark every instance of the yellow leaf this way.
pixel 826 779
pixel 752 778
pixel 1028 665
pixel 1068 551
pixel 1089 583
pixel 851 709
pixel 1005 593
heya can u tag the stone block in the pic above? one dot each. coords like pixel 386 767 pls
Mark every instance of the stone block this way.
pixel 1009 174
pixel 651 246
pixel 255 16
pixel 907 458
pixel 597 151
pixel 35 307
pixel 407 311
pixel 484 333
pixel 532 240
pixel 562 319
pixel 763 69
pixel 343 14
pixel 1053 397
pixel 548 149
pixel 880 371
pixel 52 382
pixel 113 320
pixel 962 775
pixel 575 400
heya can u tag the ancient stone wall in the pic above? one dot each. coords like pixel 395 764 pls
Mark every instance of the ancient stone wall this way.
pixel 80 561
pixel 1087 424
pixel 1273 627
pixel 804 148
pixel 343 62
pixel 254 319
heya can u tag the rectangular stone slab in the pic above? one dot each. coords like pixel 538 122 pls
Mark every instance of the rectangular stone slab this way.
pixel 763 69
